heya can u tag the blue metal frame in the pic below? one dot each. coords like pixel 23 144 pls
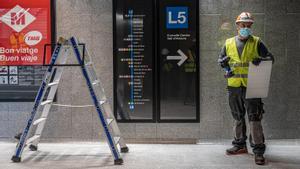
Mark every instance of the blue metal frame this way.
pixel 95 99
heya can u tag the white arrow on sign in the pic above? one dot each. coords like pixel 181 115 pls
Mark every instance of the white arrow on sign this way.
pixel 182 57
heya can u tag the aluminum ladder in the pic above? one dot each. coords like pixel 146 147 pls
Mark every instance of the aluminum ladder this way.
pixel 103 108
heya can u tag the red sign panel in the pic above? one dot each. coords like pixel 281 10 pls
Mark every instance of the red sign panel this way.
pixel 25 27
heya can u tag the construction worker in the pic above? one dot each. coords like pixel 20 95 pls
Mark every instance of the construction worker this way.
pixel 190 78
pixel 236 54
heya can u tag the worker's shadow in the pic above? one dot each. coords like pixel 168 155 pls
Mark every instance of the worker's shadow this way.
pixel 281 161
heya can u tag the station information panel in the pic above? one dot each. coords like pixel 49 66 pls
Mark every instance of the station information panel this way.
pixel 133 58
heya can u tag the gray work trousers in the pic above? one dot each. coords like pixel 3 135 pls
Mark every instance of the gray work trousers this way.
pixel 239 105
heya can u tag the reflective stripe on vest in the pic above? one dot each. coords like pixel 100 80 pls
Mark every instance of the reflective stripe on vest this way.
pixel 240 64
pixel 190 67
pixel 240 76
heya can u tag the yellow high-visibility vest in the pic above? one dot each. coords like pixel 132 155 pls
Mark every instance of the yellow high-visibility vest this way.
pixel 240 64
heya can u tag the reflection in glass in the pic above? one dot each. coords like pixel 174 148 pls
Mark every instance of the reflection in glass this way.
pixel 178 79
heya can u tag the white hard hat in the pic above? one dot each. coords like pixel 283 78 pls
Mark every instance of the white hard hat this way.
pixel 245 17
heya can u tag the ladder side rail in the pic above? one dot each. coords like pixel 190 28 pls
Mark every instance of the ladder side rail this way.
pixel 37 102
pixel 105 107
pixel 51 95
pixel 100 93
pixel 109 137
pixel 114 126
pixel 93 77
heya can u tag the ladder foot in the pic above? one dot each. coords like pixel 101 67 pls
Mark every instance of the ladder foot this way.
pixel 124 149
pixel 33 147
pixel 18 136
pixel 119 161
pixel 16 159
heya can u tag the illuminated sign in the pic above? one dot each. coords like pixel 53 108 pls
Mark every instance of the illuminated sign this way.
pixel 25 27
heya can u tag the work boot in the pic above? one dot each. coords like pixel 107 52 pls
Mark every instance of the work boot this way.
pixel 237 150
pixel 259 159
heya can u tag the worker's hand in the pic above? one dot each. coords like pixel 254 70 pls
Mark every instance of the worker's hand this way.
pixel 229 74
pixel 256 61
pixel 223 61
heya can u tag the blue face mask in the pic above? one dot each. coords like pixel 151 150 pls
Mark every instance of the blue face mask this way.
pixel 245 32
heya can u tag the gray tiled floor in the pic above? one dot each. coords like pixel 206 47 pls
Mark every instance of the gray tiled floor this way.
pixel 283 154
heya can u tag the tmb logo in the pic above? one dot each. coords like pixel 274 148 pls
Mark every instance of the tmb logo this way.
pixel 18 18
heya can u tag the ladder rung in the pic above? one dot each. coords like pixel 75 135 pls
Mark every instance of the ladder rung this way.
pixel 109 120
pixel 39 120
pixel 89 63
pixel 102 102
pixel 53 83
pixel 46 102
pixel 96 82
pixel 117 139
pixel 31 139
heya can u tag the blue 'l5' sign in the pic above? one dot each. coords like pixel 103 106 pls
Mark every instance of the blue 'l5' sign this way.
pixel 177 17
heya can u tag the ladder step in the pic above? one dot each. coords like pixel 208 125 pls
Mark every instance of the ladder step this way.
pixel 117 139
pixel 102 102
pixel 89 63
pixel 31 139
pixel 109 120
pixel 46 102
pixel 96 82
pixel 53 83
pixel 39 120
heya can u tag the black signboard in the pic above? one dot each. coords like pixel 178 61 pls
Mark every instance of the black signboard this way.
pixel 156 60
pixel 178 60
pixel 133 60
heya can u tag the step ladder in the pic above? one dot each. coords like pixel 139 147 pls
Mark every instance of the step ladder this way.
pixel 51 81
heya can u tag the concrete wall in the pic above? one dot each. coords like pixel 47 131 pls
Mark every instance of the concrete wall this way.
pixel 277 23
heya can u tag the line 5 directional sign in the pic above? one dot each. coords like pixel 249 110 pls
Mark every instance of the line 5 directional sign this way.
pixel 177 17
pixel 178 60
